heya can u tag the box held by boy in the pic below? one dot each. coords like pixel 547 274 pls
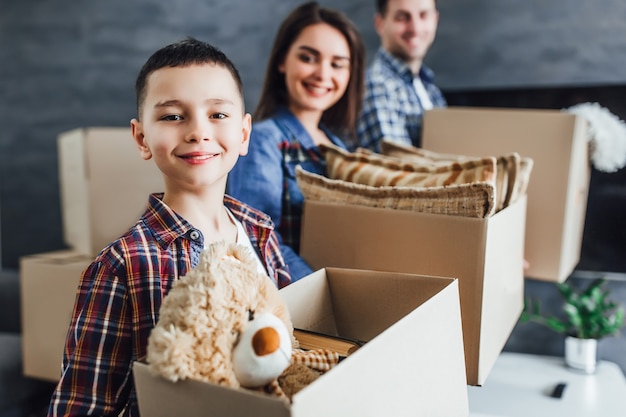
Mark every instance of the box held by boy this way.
pixel 411 364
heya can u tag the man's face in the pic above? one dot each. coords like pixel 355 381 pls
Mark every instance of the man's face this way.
pixel 408 29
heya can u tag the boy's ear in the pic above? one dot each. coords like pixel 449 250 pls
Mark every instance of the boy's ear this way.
pixel 246 129
pixel 136 129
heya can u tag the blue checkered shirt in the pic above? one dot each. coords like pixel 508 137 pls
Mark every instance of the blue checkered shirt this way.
pixel 391 107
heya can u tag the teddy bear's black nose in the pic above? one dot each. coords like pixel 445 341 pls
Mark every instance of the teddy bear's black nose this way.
pixel 250 315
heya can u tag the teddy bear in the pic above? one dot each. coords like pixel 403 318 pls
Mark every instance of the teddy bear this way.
pixel 225 322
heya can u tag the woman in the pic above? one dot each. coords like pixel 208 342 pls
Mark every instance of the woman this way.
pixel 312 95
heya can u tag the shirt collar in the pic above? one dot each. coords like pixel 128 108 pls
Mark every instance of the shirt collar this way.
pixel 164 223
pixel 290 122
pixel 168 226
pixel 402 68
pixel 245 213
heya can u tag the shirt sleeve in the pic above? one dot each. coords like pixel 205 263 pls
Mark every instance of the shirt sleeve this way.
pixel 257 178
pixel 96 374
pixel 298 268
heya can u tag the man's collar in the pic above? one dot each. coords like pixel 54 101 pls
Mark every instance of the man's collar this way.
pixel 401 67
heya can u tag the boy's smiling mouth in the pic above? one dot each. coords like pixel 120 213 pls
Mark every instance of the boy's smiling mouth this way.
pixel 197 156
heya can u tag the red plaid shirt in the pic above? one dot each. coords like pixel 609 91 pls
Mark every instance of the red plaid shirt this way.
pixel 118 303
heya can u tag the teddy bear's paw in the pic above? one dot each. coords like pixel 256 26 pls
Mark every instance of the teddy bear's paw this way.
pixel 295 378
pixel 170 353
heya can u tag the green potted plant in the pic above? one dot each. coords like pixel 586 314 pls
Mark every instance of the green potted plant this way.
pixel 588 315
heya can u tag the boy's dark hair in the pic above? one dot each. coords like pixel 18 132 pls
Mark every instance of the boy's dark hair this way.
pixel 183 53
pixel 342 116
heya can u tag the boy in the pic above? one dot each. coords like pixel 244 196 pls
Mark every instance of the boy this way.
pixel 191 121
pixel 399 88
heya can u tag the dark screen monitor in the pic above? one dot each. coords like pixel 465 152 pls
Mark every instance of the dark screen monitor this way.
pixel 604 236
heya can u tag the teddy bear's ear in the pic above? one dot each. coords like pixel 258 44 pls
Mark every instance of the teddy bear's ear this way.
pixel 243 254
pixel 214 252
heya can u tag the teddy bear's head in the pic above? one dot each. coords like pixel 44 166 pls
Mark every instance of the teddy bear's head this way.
pixel 204 315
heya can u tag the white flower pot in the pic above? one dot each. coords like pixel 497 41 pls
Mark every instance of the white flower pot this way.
pixel 581 354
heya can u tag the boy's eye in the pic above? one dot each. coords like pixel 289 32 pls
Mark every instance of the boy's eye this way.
pixel 172 117
pixel 218 116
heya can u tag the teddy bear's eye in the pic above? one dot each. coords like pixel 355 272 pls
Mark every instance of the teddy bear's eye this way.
pixel 250 315
pixel 237 336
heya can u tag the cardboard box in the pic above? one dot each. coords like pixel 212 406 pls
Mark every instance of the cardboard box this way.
pixel 559 183
pixel 104 185
pixel 411 365
pixel 486 255
pixel 48 285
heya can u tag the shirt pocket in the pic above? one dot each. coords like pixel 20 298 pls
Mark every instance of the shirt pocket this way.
pixel 318 167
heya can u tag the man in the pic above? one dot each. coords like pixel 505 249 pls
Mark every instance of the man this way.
pixel 399 88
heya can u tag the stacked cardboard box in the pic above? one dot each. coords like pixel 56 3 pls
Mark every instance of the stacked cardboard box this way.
pixel 104 188
pixel 48 284
pixel 557 194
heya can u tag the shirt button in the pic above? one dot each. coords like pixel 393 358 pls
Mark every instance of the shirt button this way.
pixel 194 235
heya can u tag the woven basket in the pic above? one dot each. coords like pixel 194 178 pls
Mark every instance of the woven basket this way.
pixel 512 170
pixel 469 200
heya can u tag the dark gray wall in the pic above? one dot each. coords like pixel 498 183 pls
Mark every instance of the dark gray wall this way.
pixel 66 64
pixel 510 43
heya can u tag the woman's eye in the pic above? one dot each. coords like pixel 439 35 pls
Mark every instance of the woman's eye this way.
pixel 172 117
pixel 306 58
pixel 339 65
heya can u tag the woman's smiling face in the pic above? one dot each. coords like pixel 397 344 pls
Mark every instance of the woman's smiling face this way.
pixel 316 69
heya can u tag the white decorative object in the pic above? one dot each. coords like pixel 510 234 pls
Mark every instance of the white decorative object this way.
pixel 581 354
pixel 263 350
pixel 606 135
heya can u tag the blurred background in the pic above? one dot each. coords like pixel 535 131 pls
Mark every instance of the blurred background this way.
pixel 67 64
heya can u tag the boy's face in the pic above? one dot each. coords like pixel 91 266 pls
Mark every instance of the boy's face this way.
pixel 408 28
pixel 193 125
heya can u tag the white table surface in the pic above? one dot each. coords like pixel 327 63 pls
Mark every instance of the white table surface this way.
pixel 519 386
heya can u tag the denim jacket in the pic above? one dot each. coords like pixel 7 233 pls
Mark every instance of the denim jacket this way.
pixel 265 178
